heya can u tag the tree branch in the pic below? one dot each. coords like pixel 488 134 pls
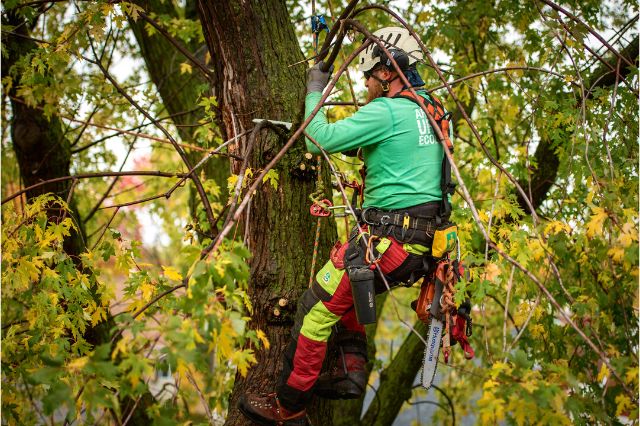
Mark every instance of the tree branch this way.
pixel 93 175
pixel 201 66
pixel 185 160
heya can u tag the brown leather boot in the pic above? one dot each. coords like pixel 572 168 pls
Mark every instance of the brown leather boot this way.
pixel 266 410
pixel 345 380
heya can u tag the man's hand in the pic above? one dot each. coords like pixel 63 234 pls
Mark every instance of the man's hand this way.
pixel 317 79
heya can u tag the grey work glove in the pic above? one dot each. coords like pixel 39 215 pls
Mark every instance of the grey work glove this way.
pixel 317 79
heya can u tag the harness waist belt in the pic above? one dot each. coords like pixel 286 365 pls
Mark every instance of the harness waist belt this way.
pixel 375 217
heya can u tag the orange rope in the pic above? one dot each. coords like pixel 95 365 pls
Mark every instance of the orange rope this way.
pixel 316 243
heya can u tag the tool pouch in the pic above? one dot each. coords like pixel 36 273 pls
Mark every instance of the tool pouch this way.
pixel 445 239
pixel 364 294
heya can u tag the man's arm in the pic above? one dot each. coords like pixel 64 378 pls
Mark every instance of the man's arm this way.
pixel 371 124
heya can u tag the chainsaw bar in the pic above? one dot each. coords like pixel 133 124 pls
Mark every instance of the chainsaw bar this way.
pixel 431 352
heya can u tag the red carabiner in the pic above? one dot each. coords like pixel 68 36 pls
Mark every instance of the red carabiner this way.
pixel 320 211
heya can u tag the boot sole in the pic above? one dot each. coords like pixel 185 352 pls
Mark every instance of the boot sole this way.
pixel 345 389
pixel 263 422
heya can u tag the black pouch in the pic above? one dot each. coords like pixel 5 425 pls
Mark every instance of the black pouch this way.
pixel 364 294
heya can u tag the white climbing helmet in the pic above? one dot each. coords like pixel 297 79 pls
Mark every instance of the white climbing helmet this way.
pixel 397 38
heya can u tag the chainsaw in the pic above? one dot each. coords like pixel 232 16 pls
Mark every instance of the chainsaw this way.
pixel 445 322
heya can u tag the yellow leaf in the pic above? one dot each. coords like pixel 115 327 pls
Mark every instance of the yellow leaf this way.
pixel 121 347
pixel 172 273
pixel 263 338
pixel 97 315
pixel 536 248
pixel 500 367
pixel 594 226
pixel 185 67
pixel 182 369
pixel 231 182
pixel 616 253
pixel 628 236
pixel 245 359
pixel 491 272
pixel 489 384
pixel 225 341
pixel 77 364
pixel 555 227
pixel 604 372
pixel 624 405
pixel 147 290
pixel 631 376
pixel 537 331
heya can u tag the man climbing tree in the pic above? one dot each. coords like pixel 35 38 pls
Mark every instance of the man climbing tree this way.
pixel 553 261
pixel 403 205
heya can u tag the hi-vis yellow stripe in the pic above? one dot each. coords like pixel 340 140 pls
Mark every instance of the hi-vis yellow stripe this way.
pixel 329 277
pixel 318 322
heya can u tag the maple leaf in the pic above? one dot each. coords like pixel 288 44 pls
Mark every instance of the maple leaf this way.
pixel 172 273
pixel 594 226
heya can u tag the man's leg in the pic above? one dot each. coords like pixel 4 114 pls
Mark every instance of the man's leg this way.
pixel 346 377
pixel 319 309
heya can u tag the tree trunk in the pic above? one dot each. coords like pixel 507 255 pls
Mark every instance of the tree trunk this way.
pixel 42 150
pixel 251 56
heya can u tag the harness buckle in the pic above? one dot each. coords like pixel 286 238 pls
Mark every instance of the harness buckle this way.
pixel 405 224
pixel 363 216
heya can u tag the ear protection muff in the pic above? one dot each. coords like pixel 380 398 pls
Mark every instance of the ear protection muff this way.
pixel 400 56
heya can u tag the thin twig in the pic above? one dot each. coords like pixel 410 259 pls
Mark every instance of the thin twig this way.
pixel 90 176
pixel 199 64
pixel 194 177
pixel 115 212
pixel 202 397
pixel 506 310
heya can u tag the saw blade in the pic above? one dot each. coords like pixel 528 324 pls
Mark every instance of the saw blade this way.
pixel 431 352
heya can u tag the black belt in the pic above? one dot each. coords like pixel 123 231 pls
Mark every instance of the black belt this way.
pixel 414 224
pixel 375 217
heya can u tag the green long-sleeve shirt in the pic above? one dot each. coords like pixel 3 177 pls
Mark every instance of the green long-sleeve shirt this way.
pixel 401 151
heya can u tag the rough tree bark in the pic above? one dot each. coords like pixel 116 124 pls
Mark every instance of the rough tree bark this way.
pixel 252 44
pixel 42 150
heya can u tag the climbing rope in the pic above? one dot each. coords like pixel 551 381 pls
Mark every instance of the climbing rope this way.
pixel 317 198
pixel 318 24
pixel 447 307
